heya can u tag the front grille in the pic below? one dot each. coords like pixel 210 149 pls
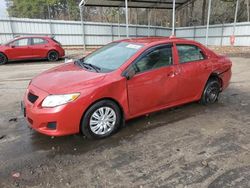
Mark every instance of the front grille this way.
pixel 32 98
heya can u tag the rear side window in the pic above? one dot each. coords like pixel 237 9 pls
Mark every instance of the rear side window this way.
pixel 189 53
pixel 37 41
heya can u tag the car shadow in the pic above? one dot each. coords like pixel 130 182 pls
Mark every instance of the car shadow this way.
pixel 78 144
pixel 33 61
pixel 29 141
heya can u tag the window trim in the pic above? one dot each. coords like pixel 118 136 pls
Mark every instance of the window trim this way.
pixel 143 54
pixel 185 44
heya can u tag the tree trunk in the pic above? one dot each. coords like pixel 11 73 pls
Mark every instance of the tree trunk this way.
pixel 192 14
pixel 203 12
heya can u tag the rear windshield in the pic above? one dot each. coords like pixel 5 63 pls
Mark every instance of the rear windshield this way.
pixel 113 55
pixel 55 41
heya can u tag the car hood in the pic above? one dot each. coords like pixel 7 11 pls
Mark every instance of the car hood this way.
pixel 67 78
pixel 2 47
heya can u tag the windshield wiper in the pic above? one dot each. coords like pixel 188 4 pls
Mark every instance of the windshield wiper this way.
pixel 87 65
pixel 78 62
pixel 97 69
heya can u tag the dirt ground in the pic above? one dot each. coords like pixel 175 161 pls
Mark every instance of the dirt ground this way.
pixel 189 146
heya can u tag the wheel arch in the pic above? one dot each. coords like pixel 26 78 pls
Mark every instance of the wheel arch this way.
pixel 101 99
pixel 4 54
pixel 52 50
pixel 213 75
pixel 216 76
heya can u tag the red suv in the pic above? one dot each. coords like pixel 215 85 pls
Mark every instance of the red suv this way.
pixel 25 48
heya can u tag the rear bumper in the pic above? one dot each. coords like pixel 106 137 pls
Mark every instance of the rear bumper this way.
pixel 226 77
pixel 62 53
pixel 64 118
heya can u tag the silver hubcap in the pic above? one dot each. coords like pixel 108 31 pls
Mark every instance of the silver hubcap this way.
pixel 212 94
pixel 102 121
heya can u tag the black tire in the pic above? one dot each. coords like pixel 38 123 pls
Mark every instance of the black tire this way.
pixel 53 56
pixel 85 124
pixel 3 59
pixel 211 92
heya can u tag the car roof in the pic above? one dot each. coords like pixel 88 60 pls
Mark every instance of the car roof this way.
pixel 150 40
pixel 35 36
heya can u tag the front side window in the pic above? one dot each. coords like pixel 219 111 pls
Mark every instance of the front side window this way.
pixel 189 53
pixel 37 41
pixel 159 57
pixel 21 42
pixel 112 56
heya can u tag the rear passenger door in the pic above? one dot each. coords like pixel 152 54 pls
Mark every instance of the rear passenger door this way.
pixel 194 71
pixel 39 47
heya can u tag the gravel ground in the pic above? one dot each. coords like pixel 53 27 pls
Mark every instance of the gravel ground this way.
pixel 189 146
pixel 233 51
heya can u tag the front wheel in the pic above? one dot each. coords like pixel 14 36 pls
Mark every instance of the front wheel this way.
pixel 211 92
pixel 3 59
pixel 53 56
pixel 101 120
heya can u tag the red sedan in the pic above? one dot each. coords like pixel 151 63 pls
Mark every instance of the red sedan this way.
pixel 122 80
pixel 25 48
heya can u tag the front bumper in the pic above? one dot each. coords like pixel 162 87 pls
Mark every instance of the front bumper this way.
pixel 65 119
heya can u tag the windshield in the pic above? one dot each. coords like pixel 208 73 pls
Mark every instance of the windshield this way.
pixel 56 41
pixel 8 42
pixel 112 56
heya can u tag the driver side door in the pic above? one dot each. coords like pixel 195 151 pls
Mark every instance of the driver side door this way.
pixel 19 49
pixel 153 85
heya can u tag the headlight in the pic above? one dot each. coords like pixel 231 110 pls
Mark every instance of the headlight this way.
pixel 57 100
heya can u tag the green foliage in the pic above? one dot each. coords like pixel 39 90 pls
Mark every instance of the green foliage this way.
pixel 194 13
pixel 54 9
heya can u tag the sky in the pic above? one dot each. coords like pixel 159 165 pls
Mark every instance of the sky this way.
pixel 3 12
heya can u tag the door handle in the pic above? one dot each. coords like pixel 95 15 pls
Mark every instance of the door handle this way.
pixel 172 74
pixel 206 67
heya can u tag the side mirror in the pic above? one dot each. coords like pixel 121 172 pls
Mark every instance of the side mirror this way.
pixel 129 74
pixel 12 46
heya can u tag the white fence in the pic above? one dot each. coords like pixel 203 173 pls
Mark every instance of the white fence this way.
pixel 219 35
pixel 70 32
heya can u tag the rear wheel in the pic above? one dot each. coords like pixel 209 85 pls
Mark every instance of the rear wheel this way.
pixel 211 92
pixel 53 56
pixel 3 59
pixel 101 120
